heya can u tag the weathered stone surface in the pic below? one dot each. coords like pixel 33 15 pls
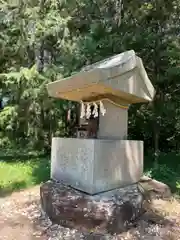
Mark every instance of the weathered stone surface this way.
pixel 123 76
pixel 109 212
pixel 96 165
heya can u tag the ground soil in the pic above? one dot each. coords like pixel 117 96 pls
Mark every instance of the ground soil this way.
pixel 21 218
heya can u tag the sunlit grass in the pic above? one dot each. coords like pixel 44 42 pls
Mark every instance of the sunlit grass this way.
pixel 22 174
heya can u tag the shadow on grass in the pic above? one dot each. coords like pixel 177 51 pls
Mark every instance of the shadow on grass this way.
pixel 41 170
pixel 166 170
pixel 20 157
pixel 14 186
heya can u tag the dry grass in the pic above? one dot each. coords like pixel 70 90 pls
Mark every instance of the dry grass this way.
pixel 167 208
pixel 170 210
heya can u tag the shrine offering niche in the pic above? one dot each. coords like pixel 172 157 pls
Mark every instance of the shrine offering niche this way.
pixel 88 120
pixel 99 119
pixel 101 158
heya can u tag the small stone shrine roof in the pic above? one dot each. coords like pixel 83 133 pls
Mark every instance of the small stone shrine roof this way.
pixel 121 78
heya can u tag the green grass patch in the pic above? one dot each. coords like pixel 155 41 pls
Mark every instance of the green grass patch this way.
pixel 18 174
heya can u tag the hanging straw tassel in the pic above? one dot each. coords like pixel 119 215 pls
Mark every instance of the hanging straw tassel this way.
pixel 69 115
pixel 88 111
pixel 83 113
pixel 102 109
pixel 95 110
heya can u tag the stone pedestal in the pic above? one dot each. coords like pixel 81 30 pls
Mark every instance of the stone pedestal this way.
pixel 111 212
pixel 96 165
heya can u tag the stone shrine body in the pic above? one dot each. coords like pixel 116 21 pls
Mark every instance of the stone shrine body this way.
pixel 109 161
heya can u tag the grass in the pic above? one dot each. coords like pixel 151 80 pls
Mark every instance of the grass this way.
pixel 18 174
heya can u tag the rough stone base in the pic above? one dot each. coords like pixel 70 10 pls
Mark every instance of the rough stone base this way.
pixel 110 212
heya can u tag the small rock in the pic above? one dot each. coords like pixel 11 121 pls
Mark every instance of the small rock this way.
pixel 154 188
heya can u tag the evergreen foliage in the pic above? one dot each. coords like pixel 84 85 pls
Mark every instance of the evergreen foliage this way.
pixel 43 40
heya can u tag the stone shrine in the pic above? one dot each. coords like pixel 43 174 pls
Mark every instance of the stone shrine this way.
pixel 108 160
pixel 95 177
